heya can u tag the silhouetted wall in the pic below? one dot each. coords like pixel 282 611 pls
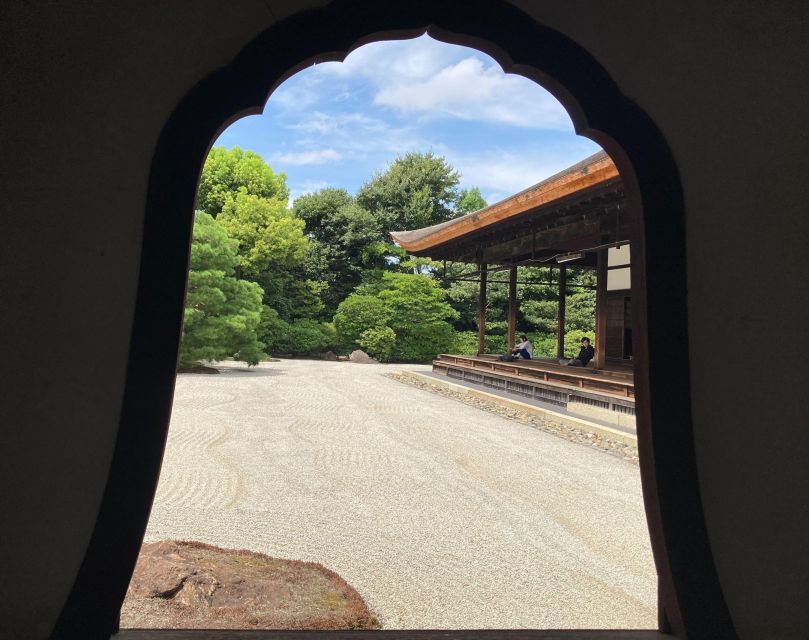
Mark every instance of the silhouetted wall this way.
pixel 87 88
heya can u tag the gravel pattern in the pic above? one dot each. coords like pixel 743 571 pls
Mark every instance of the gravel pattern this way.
pixel 439 514
pixel 546 423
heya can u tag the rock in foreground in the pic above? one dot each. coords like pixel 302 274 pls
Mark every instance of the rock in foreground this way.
pixel 190 585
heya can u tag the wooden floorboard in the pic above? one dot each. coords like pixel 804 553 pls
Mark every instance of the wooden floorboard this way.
pixel 509 634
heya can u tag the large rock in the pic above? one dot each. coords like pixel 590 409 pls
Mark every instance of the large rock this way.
pixel 194 586
pixel 361 357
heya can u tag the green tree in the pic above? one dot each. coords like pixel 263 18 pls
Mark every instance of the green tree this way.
pixel 414 299
pixel 355 314
pixel 269 235
pixel 469 200
pixel 229 172
pixel 417 190
pixel 413 306
pixel 319 208
pixel 346 241
pixel 222 313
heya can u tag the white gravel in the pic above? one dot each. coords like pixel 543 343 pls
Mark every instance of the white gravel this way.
pixel 439 514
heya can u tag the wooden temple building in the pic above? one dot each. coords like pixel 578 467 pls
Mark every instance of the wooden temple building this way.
pixel 576 217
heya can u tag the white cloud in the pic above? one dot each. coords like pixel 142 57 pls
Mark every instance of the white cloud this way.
pixel 473 91
pixel 356 134
pixel 300 158
pixel 414 59
pixel 430 79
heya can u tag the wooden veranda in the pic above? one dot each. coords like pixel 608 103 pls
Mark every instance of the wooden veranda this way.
pixel 576 217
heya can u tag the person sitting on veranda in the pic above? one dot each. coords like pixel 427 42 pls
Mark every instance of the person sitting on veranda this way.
pixel 524 349
pixel 586 353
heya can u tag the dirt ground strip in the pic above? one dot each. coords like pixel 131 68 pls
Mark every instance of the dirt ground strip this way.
pixel 547 424
pixel 190 585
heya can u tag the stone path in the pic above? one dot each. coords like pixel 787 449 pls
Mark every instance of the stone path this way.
pixel 439 514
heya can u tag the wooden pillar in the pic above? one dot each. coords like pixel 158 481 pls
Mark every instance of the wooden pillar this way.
pixel 482 310
pixel 601 310
pixel 560 314
pixel 512 306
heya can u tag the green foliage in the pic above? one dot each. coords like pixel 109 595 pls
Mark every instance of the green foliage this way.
pixel 269 235
pixel 272 329
pixel 356 314
pixel 544 345
pixel 495 343
pixel 469 200
pixel 580 311
pixel 346 240
pixel 222 313
pixel 378 342
pixel 413 306
pixel 319 208
pixel 331 257
pixel 292 295
pixel 419 315
pixel 417 190
pixel 464 343
pixel 227 173
pixel 540 314
pixel 302 337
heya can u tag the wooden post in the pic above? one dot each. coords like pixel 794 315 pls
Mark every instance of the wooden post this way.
pixel 512 306
pixel 560 313
pixel 601 310
pixel 482 310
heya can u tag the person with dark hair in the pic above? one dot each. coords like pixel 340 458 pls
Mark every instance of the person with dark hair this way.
pixel 524 348
pixel 586 353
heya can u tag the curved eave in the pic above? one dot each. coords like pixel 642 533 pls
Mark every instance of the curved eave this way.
pixel 591 172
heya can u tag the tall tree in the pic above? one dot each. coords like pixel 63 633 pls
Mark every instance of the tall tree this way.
pixel 269 234
pixel 317 210
pixel 228 172
pixel 222 313
pixel 470 200
pixel 417 190
pixel 346 241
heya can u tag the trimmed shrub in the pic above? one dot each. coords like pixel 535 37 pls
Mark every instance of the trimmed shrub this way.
pixel 422 343
pixel 378 342
pixel 464 343
pixel 354 315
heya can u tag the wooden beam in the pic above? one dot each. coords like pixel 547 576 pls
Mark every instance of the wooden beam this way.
pixel 601 311
pixel 512 306
pixel 560 314
pixel 482 310
pixel 574 183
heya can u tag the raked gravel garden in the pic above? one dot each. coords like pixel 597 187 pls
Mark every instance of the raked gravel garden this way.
pixel 440 514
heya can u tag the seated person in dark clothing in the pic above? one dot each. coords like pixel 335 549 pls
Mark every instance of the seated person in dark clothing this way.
pixel 586 353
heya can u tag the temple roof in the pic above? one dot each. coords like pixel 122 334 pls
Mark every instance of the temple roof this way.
pixel 573 183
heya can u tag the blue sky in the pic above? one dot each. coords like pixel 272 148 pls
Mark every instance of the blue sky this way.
pixel 336 124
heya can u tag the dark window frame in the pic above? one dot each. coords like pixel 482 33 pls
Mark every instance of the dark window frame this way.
pixel 691 598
